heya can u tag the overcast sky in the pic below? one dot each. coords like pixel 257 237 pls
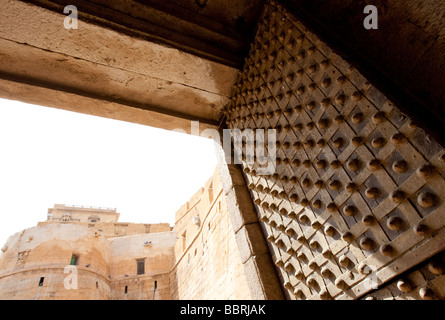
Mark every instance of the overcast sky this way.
pixel 50 156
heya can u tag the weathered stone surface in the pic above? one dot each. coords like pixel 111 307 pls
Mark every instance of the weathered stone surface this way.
pixel 231 174
pixel 261 278
pixel 199 259
pixel 240 207
pixel 113 68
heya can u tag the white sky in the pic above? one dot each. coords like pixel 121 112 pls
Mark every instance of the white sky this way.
pixel 50 156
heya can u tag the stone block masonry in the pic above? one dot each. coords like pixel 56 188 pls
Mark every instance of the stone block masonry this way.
pixel 357 195
pixel 104 255
pixel 208 262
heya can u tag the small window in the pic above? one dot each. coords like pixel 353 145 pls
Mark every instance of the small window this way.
pixel 140 266
pixel 41 281
pixel 74 260
pixel 126 290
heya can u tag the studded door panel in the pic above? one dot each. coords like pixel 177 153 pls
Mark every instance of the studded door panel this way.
pixel 356 196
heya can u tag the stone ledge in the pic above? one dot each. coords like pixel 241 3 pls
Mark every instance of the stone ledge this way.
pixel 262 278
